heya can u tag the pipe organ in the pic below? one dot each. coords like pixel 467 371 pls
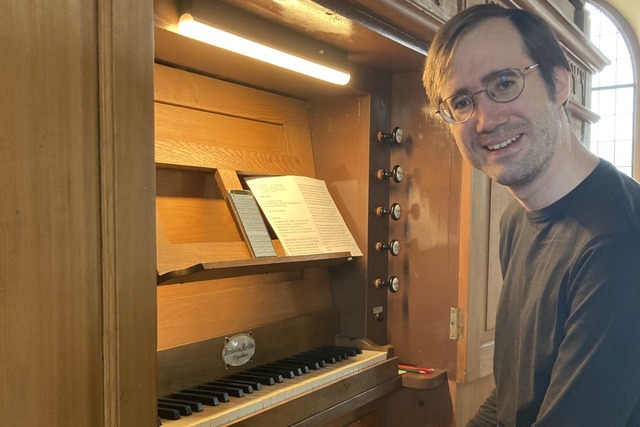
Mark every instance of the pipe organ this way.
pixel 126 284
pixel 316 339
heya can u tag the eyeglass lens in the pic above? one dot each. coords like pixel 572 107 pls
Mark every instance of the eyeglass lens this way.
pixel 504 86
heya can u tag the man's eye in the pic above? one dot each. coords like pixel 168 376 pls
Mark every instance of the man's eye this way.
pixel 505 84
pixel 460 103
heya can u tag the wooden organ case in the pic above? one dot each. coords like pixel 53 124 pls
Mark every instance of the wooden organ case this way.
pixel 221 118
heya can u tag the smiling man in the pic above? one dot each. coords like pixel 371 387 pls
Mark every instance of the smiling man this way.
pixel 568 322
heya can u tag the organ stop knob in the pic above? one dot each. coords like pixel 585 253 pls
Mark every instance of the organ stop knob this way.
pixel 393 283
pixel 397 174
pixel 393 247
pixel 395 137
pixel 394 211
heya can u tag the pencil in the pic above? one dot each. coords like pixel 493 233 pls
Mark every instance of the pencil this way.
pixel 413 368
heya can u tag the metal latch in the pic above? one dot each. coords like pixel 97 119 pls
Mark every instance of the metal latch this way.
pixel 455 323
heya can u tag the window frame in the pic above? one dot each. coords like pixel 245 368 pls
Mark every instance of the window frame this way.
pixel 630 37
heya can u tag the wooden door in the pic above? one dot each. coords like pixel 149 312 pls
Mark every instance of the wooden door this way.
pixel 483 203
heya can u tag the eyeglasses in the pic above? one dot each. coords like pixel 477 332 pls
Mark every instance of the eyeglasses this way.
pixel 503 86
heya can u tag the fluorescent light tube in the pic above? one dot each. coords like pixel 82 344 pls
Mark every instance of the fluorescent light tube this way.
pixel 190 27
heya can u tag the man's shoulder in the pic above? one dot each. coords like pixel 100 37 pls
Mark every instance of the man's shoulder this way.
pixel 617 197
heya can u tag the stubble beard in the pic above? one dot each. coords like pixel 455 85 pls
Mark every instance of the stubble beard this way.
pixel 544 139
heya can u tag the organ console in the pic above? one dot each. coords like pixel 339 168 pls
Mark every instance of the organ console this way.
pixel 308 361
pixel 221 118
pixel 284 391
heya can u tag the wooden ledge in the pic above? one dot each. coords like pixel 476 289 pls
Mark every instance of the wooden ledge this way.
pixel 424 381
pixel 244 267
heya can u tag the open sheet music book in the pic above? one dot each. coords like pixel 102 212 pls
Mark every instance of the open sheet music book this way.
pixel 303 215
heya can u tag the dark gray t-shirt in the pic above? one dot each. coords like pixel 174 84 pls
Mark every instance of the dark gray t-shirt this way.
pixel 568 321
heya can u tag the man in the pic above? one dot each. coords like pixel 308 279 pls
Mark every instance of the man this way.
pixel 568 323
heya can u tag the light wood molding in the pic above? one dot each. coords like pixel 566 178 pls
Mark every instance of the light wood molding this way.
pixel 567 32
pixel 127 205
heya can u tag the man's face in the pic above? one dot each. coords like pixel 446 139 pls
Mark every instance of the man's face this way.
pixel 510 142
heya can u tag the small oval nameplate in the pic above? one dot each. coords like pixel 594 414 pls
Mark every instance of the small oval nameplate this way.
pixel 238 349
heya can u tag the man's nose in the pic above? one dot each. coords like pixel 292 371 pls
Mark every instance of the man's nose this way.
pixel 488 113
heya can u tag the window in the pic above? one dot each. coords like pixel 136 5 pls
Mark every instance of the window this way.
pixel 613 94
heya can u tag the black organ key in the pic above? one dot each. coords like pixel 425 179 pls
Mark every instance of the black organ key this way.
pixel 246 386
pixel 262 378
pixel 333 356
pixel 235 391
pixel 168 413
pixel 253 379
pixel 297 370
pixel 345 352
pixel 312 363
pixel 182 409
pixel 351 351
pixel 327 358
pixel 256 385
pixel 221 395
pixel 284 373
pixel 339 351
pixel 195 406
pixel 197 397
pixel 305 366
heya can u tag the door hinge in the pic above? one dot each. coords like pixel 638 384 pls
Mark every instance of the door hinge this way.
pixel 455 323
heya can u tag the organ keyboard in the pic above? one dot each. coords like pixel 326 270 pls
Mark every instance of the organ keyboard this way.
pixel 284 392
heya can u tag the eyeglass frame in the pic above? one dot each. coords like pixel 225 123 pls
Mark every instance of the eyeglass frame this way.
pixel 522 72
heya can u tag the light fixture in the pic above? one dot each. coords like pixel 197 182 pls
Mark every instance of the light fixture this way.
pixel 227 28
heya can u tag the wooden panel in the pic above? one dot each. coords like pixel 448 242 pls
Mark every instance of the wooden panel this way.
pixel 470 396
pixel 422 407
pixel 127 199
pixel 419 18
pixel 222 129
pixel 245 119
pixel 192 364
pixel 205 123
pixel 49 246
pixel 200 127
pixel 197 311
pixel 190 220
pixel 500 199
pixel 50 280
pixel 370 415
pixel 428 231
pixel 480 273
pixel 367 409
pixel 475 346
pixel 347 156
pixel 76 239
pixel 247 162
pixel 578 46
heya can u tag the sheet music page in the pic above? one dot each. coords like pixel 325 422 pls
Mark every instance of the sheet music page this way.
pixel 303 215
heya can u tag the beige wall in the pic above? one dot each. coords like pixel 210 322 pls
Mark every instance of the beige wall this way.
pixel 630 10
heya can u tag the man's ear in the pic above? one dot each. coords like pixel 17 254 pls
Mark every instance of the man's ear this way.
pixel 562 79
